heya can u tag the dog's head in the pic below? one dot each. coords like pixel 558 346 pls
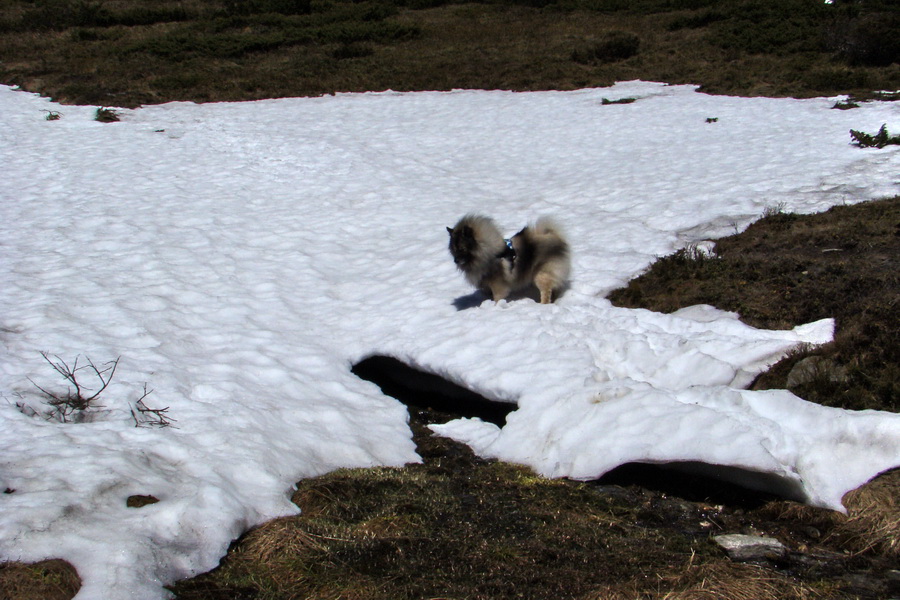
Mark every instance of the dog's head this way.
pixel 463 245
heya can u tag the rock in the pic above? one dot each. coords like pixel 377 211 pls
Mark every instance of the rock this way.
pixel 744 548
pixel 815 367
pixel 812 532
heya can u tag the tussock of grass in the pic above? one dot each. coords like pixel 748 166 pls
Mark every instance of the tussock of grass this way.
pixel 47 580
pixel 872 524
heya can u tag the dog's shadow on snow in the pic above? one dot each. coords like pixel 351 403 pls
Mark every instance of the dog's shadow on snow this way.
pixel 472 300
pixel 477 298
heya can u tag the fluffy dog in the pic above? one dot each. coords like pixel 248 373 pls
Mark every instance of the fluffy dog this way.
pixel 538 255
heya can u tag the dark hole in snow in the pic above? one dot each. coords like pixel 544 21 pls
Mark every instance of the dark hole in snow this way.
pixel 692 481
pixel 700 482
pixel 424 390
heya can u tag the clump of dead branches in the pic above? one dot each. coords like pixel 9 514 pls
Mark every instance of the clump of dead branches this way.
pixel 85 382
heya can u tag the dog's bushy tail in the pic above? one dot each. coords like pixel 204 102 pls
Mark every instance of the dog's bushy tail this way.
pixel 548 226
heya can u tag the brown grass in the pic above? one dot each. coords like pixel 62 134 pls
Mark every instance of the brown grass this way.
pixel 872 524
pixel 717 580
pixel 47 580
pixel 458 528
pixel 723 580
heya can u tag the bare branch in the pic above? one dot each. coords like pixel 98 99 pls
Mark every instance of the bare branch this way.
pixel 46 393
pixel 143 415
pixel 146 393
pixel 67 372
pixel 110 369
pixel 74 405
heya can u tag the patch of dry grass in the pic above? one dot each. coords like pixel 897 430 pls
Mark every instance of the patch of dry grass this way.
pixel 716 580
pixel 725 580
pixel 47 580
pixel 457 528
pixel 872 523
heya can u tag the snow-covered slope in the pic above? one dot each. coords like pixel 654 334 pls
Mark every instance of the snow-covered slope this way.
pixel 239 258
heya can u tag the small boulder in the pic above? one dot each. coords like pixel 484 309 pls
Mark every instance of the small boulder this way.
pixel 745 548
pixel 812 368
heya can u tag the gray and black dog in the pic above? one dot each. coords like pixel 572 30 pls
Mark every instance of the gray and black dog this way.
pixel 538 255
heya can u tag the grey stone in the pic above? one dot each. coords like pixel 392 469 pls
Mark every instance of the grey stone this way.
pixel 743 548
pixel 815 367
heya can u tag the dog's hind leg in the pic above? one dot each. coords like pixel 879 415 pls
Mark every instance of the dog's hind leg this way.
pixel 545 284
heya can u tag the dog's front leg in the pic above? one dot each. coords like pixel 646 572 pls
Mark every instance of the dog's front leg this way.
pixel 499 292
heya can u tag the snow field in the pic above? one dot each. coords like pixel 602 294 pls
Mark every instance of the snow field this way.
pixel 239 258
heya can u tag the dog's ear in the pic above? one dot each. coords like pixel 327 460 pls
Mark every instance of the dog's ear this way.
pixel 450 230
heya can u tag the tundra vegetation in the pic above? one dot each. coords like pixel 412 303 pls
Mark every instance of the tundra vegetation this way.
pixel 126 52
pixel 457 526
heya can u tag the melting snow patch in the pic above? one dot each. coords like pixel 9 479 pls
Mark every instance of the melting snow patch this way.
pixel 242 261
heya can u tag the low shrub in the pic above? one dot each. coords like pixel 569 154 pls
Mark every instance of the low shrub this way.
pixel 181 45
pixel 106 115
pixel 73 404
pixel 763 27
pixel 879 140
pixel 64 14
pixel 870 40
pixel 283 7
pixel 353 50
pixel 837 78
pixel 611 47
pixel 697 21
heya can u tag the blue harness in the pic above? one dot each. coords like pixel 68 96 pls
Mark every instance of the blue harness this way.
pixel 509 253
